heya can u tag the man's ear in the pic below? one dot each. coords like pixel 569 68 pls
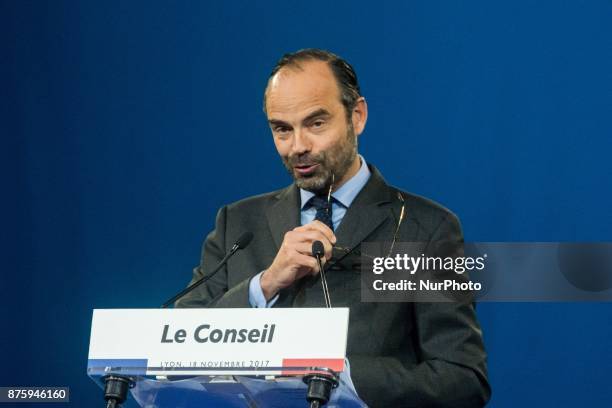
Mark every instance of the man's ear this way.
pixel 360 115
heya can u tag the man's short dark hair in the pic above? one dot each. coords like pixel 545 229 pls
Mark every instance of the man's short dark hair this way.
pixel 343 72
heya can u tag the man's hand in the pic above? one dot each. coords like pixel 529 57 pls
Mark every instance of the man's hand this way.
pixel 294 259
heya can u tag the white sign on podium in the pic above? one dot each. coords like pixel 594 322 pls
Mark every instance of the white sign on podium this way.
pixel 273 341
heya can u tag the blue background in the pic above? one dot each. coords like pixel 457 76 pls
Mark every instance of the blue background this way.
pixel 125 125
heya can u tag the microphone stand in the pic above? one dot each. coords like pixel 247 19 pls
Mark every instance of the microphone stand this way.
pixel 320 384
pixel 241 243
pixel 115 390
pixel 200 281
pixel 318 251
pixel 117 386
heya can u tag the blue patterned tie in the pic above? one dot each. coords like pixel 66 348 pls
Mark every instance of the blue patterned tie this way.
pixel 324 210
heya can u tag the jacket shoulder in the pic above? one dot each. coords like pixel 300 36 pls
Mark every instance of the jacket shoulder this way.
pixel 423 210
pixel 254 202
pixel 427 212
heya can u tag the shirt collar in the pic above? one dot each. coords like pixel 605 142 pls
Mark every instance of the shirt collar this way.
pixel 349 190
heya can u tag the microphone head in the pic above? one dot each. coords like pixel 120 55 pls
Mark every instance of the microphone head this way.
pixel 244 240
pixel 318 249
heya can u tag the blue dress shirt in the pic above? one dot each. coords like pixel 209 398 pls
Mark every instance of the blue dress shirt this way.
pixel 343 197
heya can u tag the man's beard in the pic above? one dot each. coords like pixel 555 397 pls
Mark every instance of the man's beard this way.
pixel 332 164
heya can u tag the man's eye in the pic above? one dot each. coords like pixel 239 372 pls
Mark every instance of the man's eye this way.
pixel 317 123
pixel 281 129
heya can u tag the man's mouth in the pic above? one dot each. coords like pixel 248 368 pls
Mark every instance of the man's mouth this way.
pixel 305 169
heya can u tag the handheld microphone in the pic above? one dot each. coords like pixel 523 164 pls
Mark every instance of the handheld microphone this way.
pixel 242 242
pixel 318 251
pixel 319 385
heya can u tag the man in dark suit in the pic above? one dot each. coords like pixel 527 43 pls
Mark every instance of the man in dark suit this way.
pixel 401 354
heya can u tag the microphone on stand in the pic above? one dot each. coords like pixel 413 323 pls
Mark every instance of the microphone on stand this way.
pixel 242 242
pixel 320 384
pixel 116 386
pixel 318 251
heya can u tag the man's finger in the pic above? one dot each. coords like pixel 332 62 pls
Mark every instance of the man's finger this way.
pixel 311 235
pixel 325 230
pixel 309 262
pixel 305 247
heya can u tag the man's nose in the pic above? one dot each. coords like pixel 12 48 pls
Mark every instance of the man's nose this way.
pixel 301 142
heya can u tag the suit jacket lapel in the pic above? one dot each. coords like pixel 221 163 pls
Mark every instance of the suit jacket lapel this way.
pixel 366 212
pixel 284 214
pixel 369 210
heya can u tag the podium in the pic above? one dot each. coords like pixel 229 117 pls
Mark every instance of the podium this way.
pixel 222 357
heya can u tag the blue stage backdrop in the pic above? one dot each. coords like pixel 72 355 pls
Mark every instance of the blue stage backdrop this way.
pixel 125 125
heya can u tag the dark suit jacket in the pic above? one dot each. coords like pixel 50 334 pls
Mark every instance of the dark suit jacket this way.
pixel 401 354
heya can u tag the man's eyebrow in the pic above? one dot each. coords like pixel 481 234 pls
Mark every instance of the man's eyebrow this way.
pixel 277 122
pixel 317 114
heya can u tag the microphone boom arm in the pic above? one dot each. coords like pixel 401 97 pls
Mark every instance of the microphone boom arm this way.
pixel 241 243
